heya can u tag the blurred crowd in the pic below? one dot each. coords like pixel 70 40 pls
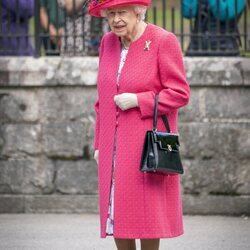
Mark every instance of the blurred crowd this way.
pixel 65 28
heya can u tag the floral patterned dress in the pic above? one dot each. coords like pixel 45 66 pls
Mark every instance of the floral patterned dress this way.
pixel 110 220
pixel 82 33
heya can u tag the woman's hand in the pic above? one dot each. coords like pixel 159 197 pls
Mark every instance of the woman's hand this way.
pixel 96 156
pixel 126 101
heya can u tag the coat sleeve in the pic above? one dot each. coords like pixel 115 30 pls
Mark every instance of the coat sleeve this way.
pixel 97 121
pixel 23 8
pixel 97 126
pixel 175 89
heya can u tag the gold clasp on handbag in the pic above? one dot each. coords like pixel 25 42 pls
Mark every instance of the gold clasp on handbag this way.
pixel 169 147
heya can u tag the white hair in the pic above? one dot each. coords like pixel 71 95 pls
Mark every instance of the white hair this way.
pixel 140 10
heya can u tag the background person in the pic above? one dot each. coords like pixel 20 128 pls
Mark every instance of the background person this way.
pixel 52 23
pixel 82 33
pixel 137 61
pixel 14 28
pixel 215 31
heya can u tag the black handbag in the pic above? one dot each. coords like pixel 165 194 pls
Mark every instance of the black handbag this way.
pixel 161 149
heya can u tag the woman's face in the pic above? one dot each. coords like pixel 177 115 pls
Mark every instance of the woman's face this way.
pixel 122 21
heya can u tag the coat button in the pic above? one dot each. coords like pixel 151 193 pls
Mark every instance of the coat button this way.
pixel 117 123
pixel 117 113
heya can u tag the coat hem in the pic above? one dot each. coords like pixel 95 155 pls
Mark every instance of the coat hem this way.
pixel 130 236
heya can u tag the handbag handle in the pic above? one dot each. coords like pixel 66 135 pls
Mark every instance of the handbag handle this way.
pixel 164 117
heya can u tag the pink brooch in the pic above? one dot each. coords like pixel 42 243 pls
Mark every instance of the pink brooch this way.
pixel 147 44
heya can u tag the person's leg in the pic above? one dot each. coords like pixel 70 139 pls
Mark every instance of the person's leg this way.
pixel 150 244
pixel 125 244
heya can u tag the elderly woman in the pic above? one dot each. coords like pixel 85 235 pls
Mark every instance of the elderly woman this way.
pixel 137 61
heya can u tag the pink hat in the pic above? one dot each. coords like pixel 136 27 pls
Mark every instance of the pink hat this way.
pixel 97 5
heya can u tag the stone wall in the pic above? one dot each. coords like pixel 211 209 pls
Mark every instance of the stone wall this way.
pixel 46 135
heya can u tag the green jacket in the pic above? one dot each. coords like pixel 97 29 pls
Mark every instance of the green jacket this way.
pixel 55 13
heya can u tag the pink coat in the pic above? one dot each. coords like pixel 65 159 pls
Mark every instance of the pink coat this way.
pixel 145 205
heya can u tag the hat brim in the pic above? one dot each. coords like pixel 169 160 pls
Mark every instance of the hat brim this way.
pixel 96 10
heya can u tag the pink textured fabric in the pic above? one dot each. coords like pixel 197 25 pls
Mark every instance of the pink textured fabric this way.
pixel 145 205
